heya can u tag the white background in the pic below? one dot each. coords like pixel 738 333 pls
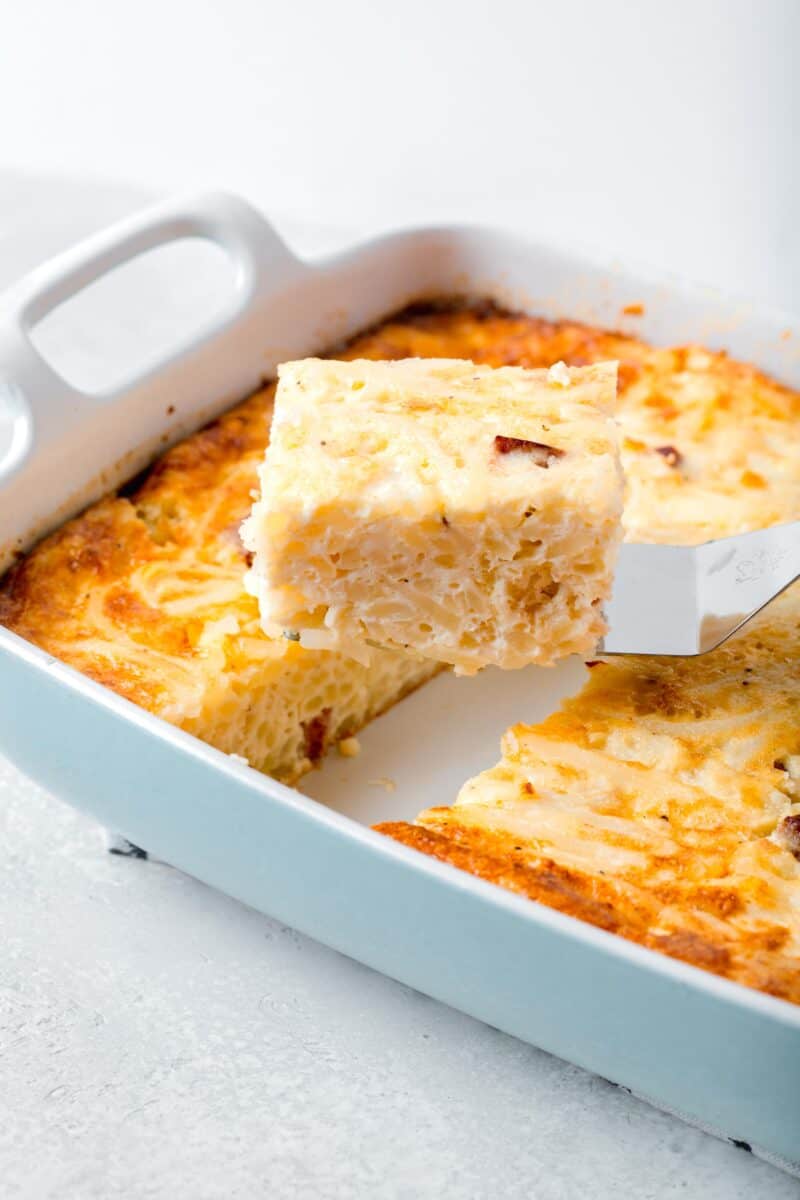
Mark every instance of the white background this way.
pixel 159 1040
pixel 662 131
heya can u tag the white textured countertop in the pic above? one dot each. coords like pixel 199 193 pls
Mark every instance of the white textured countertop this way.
pixel 161 1040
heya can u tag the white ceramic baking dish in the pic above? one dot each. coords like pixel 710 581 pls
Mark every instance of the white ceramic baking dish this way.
pixel 721 1054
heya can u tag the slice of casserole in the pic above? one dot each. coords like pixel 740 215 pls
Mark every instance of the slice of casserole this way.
pixel 662 803
pixel 145 593
pixel 466 513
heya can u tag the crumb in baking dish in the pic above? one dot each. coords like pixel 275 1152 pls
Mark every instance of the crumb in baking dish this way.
pixel 468 513
pixel 349 747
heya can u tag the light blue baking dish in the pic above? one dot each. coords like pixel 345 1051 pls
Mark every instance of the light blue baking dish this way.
pixel 722 1054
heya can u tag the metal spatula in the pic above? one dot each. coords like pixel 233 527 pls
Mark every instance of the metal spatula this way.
pixel 686 600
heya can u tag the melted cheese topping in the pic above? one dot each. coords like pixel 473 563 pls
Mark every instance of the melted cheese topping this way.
pixel 468 513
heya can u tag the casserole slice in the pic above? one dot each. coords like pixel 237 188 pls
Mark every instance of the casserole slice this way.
pixel 662 804
pixel 466 513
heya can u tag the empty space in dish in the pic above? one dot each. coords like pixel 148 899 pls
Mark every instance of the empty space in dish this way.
pixel 422 751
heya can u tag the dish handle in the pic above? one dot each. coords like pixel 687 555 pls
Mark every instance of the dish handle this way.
pixel 254 248
pixel 47 424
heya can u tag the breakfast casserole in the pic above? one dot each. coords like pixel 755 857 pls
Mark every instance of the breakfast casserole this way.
pixel 468 513
pixel 662 803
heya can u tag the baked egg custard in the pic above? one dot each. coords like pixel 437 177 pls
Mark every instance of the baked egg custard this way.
pixel 467 513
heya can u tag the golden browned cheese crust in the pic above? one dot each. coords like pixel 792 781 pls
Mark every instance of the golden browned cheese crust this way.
pixel 74 594
pixel 144 593
pixel 757 962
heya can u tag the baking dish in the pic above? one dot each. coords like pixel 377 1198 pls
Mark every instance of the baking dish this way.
pixel 721 1054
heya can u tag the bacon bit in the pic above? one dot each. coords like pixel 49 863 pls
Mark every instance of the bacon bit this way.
pixel 788 834
pixel 527 788
pixel 316 732
pixel 541 454
pixel 780 765
pixel 673 457
pixel 633 310
pixel 594 662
